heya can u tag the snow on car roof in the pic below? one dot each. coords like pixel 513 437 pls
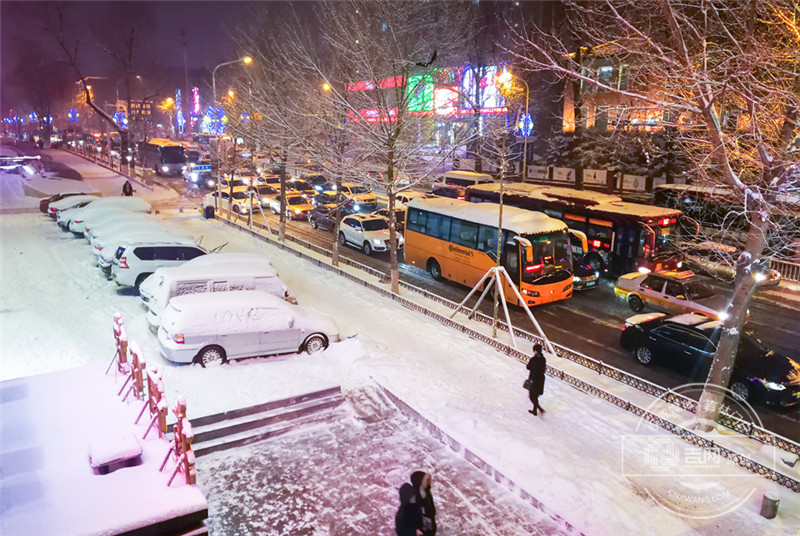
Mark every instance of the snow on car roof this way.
pixel 226 257
pixel 220 270
pixel 236 298
pixel 597 201
pixel 515 219
pixel 689 319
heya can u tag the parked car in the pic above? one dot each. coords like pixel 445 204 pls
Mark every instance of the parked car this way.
pixel 368 232
pixel 78 217
pixel 266 194
pixel 304 187
pixel 44 204
pixel 227 273
pixel 109 241
pixel 215 328
pixel 322 217
pixel 584 276
pixel 687 342
pixel 107 250
pixel 240 202
pixel 453 192
pixel 121 224
pixel 133 264
pixel 297 206
pixel 365 201
pixel 67 203
pixel 719 261
pixel 672 292
pixel 399 217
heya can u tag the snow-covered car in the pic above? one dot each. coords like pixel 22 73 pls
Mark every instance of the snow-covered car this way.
pixel 366 200
pixel 134 263
pixel 44 204
pixel 215 328
pixel 122 224
pixel 297 206
pixel 402 199
pixel 228 273
pixel 719 260
pixel 101 210
pixel 674 292
pixel 368 232
pixel 68 203
pixel 66 217
pixel 240 202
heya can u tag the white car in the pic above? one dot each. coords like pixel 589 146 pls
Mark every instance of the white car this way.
pixel 240 202
pixel 94 212
pixel 121 225
pixel 66 217
pixel 135 262
pixel 403 198
pixel 217 327
pixel 107 250
pixel 368 232
pixel 67 203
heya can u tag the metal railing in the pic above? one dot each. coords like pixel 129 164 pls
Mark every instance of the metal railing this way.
pixel 789 270
pixel 748 429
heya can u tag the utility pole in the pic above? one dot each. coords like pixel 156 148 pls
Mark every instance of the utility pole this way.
pixel 185 101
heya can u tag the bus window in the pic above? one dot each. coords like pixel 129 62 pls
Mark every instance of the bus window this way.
pixel 439 226
pixel 464 233
pixel 487 240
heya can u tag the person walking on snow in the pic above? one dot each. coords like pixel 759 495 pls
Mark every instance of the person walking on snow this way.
pixel 422 483
pixel 127 189
pixel 409 515
pixel 536 365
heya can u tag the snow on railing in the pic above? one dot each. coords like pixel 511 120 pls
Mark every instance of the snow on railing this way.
pixel 748 429
pixel 181 449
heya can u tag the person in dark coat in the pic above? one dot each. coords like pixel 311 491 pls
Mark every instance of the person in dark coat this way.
pixel 536 365
pixel 127 189
pixel 409 516
pixel 422 483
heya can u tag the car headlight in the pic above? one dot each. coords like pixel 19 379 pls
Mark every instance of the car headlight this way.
pixel 297 211
pixel 356 207
pixel 723 315
pixel 680 263
pixel 210 182
pixel 774 386
pixel 195 176
pixel 165 169
pixel 597 275
pixel 377 241
pixel 575 279
pixel 759 277
pixel 643 270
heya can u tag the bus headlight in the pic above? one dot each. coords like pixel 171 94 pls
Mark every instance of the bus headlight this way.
pixel 165 169
pixel 531 293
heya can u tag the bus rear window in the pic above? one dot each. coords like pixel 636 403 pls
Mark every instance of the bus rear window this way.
pixel 172 155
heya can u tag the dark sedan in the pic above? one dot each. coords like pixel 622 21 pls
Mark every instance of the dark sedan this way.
pixel 322 217
pixel 44 204
pixel 687 343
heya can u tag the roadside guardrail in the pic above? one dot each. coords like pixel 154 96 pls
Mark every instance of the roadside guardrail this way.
pixel 789 270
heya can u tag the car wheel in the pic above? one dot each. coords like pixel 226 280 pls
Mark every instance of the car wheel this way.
pixel 342 239
pixel 208 213
pixel 211 355
pixel 315 343
pixel 740 391
pixel 141 278
pixel 313 223
pixel 635 303
pixel 367 248
pixel 435 269
pixel 644 356
pixel 235 209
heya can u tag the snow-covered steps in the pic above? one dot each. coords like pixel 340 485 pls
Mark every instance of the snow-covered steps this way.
pixel 255 423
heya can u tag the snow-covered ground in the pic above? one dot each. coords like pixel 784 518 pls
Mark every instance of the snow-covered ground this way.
pixel 57 312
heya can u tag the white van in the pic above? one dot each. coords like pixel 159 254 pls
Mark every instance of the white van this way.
pixel 191 278
pixel 463 179
pixel 213 328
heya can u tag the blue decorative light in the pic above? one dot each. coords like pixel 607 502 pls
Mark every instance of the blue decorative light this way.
pixel 180 120
pixel 525 125
pixel 121 120
pixel 245 117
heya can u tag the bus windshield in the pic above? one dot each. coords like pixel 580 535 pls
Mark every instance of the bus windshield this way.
pixel 552 255
pixel 172 155
pixel 663 239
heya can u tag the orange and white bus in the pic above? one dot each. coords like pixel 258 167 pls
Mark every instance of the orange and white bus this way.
pixel 457 240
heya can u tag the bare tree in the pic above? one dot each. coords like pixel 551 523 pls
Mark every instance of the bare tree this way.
pixel 697 62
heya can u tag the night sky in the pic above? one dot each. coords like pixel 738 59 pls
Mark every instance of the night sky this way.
pixel 28 49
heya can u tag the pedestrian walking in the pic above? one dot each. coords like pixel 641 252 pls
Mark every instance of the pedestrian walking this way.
pixel 422 483
pixel 409 516
pixel 127 189
pixel 536 365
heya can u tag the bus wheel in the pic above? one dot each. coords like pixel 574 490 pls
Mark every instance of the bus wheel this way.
pixel 636 303
pixel 596 262
pixel 435 269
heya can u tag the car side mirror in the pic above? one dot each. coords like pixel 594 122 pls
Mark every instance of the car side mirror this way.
pixel 681 297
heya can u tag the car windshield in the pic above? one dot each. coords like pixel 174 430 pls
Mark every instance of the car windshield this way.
pixel 375 225
pixel 266 190
pixel 296 200
pixel 697 290
pixel 240 195
pixel 358 190
pixel 300 185
pixel 236 182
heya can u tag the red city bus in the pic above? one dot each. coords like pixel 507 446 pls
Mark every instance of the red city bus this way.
pixel 622 237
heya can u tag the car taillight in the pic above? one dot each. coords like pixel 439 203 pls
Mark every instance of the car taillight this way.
pixel 460 197
pixel 123 262
pixel 88 230
pixel 99 248
pixel 77 221
pixel 178 338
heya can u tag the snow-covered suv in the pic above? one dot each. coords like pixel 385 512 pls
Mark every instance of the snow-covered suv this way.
pixel 369 232
pixel 133 264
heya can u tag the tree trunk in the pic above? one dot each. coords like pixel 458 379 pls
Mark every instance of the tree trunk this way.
pixel 282 215
pixel 711 400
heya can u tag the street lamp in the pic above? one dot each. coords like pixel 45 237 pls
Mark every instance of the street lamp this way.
pixel 505 79
pixel 247 60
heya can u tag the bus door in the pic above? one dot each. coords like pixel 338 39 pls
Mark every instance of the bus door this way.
pixel 625 246
pixel 511 258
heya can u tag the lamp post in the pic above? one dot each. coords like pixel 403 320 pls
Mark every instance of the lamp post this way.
pixel 247 60
pixel 505 79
